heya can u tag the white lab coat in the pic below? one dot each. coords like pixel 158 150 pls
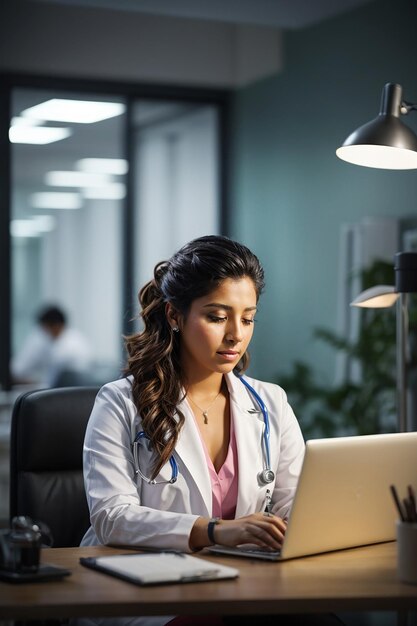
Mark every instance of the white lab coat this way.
pixel 124 509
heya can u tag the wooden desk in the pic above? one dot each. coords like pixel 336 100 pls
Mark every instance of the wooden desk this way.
pixel 361 579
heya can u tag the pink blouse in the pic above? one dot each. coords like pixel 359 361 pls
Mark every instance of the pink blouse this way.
pixel 224 485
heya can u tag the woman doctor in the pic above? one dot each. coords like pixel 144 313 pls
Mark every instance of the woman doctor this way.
pixel 176 454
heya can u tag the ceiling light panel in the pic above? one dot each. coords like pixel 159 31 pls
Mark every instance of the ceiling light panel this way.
pixel 74 111
pixel 118 167
pixel 114 191
pixel 76 179
pixel 25 121
pixel 56 200
pixel 34 227
pixel 23 228
pixel 39 135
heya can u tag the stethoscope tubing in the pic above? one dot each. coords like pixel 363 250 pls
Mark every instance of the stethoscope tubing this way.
pixel 264 410
pixel 172 461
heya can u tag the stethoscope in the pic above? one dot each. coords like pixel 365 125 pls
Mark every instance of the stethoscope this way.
pixel 265 477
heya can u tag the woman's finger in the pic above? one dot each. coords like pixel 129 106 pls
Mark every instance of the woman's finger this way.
pixel 264 534
pixel 257 528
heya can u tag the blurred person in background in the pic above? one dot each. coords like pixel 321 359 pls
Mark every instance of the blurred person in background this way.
pixel 52 352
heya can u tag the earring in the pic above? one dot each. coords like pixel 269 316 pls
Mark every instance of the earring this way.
pixel 175 329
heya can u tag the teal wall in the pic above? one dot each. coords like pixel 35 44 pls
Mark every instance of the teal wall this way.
pixel 290 193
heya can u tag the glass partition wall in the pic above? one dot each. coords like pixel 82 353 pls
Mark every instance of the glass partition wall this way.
pixel 68 185
pixel 176 179
pixel 102 188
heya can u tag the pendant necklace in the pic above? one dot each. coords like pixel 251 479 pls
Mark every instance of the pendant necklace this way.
pixel 204 412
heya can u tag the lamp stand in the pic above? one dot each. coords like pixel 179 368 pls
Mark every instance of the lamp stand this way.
pixel 402 347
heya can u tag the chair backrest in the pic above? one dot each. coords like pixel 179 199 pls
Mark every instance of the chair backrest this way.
pixel 46 477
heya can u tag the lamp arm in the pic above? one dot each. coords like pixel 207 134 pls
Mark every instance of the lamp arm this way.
pixel 406 107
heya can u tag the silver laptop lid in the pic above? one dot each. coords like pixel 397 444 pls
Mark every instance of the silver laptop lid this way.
pixel 343 496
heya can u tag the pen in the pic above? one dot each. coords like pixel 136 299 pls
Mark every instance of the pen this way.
pixel 409 513
pixel 267 509
pixel 397 502
pixel 412 499
pixel 407 510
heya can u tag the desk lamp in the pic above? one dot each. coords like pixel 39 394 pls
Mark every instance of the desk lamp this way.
pixel 384 142
pixel 387 143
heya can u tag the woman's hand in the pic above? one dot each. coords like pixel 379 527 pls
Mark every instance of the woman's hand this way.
pixel 263 530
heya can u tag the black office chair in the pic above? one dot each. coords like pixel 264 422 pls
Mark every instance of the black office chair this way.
pixel 46 479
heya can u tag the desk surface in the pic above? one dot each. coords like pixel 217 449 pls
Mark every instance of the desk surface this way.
pixel 359 579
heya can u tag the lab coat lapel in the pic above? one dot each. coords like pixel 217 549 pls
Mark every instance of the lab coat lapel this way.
pixel 190 451
pixel 248 427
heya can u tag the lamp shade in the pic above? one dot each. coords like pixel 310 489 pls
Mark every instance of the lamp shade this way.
pixel 378 297
pixel 384 142
pixel 405 268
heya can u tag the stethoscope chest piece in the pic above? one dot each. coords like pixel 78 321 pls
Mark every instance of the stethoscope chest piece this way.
pixel 266 477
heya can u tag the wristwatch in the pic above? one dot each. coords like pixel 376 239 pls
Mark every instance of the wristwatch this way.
pixel 210 529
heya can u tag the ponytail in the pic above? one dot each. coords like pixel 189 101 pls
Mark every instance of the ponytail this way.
pixel 153 361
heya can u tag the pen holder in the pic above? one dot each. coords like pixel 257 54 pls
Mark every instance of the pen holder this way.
pixel 407 552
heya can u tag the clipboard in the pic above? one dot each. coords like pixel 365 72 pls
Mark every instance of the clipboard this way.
pixel 159 568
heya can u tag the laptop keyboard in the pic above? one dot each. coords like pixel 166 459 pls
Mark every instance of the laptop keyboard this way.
pixel 250 552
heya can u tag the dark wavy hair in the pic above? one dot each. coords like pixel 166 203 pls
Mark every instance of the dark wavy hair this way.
pixel 194 271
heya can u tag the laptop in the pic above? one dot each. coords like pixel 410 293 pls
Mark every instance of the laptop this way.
pixel 343 496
